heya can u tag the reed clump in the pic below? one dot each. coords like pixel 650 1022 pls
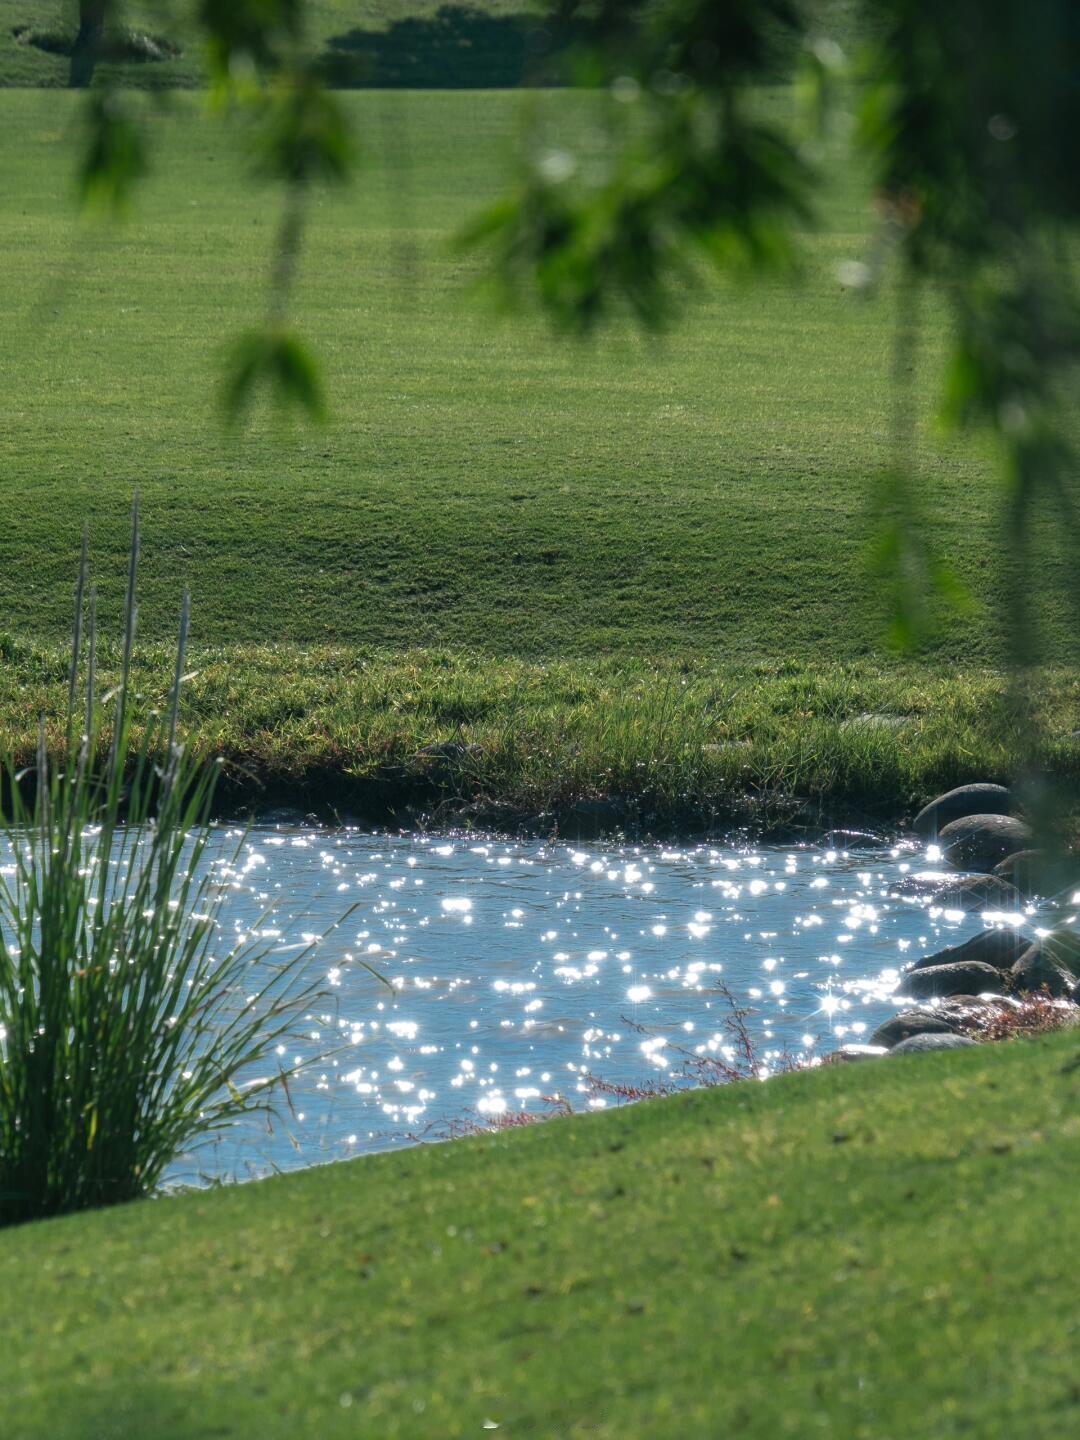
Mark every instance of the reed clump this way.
pixel 130 1028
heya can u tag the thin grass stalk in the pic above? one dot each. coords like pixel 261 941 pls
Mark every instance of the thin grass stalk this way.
pixel 181 651
pixel 126 1035
pixel 130 617
pixel 91 677
pixel 76 639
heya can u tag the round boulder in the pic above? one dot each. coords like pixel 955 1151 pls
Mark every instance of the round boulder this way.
pixel 962 1011
pixel 978 892
pixel 910 1022
pixel 848 1053
pixel 913 887
pixel 1039 872
pixel 970 977
pixel 999 948
pixel 1022 869
pixel 1052 963
pixel 957 804
pixel 930 1044
pixel 978 842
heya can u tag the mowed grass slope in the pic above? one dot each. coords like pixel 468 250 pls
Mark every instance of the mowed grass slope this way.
pixel 629 567
pixel 873 1251
pixel 481 485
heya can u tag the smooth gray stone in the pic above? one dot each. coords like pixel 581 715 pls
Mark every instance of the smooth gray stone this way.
pixel 970 977
pixel 999 948
pixel 978 892
pixel 850 1053
pixel 978 842
pixel 1051 963
pixel 958 1008
pixel 930 1044
pixel 1040 872
pixel 911 1022
pixel 956 804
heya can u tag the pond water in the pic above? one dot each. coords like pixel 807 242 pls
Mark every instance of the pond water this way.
pixel 523 971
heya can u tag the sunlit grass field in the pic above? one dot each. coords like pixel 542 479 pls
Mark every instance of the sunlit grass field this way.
pixel 481 484
pixel 483 488
pixel 872 1250
pixel 634 571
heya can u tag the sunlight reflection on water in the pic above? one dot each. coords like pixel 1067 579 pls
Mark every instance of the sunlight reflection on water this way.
pixel 519 969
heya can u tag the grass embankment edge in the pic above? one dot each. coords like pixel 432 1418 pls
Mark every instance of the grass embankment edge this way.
pixel 867 1250
pixel 618 744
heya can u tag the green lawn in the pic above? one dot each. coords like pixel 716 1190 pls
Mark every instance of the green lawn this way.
pixel 483 490
pixel 628 570
pixel 482 485
pixel 877 1251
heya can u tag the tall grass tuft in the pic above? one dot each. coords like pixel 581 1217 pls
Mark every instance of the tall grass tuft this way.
pixel 127 1025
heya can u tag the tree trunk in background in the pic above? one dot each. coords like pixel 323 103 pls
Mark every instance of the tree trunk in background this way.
pixel 87 47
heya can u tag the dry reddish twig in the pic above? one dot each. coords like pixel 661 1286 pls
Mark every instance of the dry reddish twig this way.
pixel 705 1070
pixel 1037 1014
pixel 472 1124
pixel 651 1090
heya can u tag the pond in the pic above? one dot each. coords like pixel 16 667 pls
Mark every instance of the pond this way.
pixel 525 971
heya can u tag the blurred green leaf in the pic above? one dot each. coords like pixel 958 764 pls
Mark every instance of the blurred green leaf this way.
pixel 915 585
pixel 302 134
pixel 819 69
pixel 114 155
pixel 1014 335
pixel 278 362
pixel 694 178
pixel 249 33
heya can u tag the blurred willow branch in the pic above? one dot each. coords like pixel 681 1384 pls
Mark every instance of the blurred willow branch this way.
pixel 969 112
pixel 969 109
pixel 259 67
pixel 300 136
pixel 688 170
pixel 969 119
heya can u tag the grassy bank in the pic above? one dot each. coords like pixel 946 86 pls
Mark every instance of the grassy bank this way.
pixel 673 745
pixel 497 532
pixel 867 1251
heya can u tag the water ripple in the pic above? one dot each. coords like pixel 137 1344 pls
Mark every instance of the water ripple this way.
pixel 520 970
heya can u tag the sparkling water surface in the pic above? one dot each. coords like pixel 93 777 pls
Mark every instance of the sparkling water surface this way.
pixel 520 970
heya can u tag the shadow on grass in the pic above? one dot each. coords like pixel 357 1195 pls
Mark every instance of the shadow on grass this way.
pixel 122 46
pixel 457 48
pixel 462 48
